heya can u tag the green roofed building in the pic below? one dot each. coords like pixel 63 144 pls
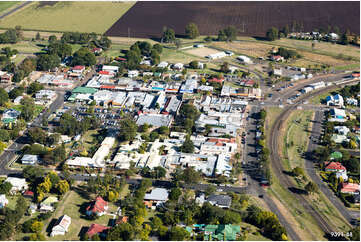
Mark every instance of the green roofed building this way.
pixel 224 232
pixel 336 155
pixel 84 90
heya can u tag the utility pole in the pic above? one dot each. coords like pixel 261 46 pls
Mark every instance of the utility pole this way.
pixel 243 25
pixel 128 32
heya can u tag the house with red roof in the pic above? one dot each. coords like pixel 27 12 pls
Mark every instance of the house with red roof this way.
pixel 249 83
pixel 99 229
pixel 277 58
pixel 97 51
pixel 78 69
pixel 28 193
pixel 214 79
pixel 334 166
pixel 97 207
pixel 350 188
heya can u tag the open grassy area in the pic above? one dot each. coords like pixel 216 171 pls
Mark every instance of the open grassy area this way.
pixel 38 109
pixel 272 114
pixel 88 139
pixel 25 47
pixel 174 56
pixel 68 16
pixel 296 138
pixel 5 6
pixel 70 205
pixel 254 233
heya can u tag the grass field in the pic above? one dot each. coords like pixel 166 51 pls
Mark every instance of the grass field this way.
pixel 5 6
pixel 324 52
pixel 68 16
pixel 296 138
pixel 70 206
pixel 174 56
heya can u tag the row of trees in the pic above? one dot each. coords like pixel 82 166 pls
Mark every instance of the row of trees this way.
pixel 11 36
pixel 69 125
pixel 143 48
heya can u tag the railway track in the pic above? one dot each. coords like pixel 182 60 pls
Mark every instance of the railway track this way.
pixel 275 158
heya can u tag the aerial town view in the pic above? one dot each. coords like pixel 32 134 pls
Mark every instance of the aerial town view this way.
pixel 180 120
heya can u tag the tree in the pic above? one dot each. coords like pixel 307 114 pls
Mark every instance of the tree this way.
pixel 298 171
pixel 286 30
pixel 133 59
pixel 159 172
pixel 231 33
pixel 37 237
pixel 311 187
pixel 344 39
pixel 123 231
pixel 37 37
pixel 83 56
pixel 190 176
pixel 4 135
pixel 355 233
pixel 4 97
pixel 5 188
pixel 175 193
pixel 194 64
pixel 221 35
pixel 47 62
pixel 15 92
pixel 27 108
pixel 37 226
pixel 156 222
pixel 177 43
pixel 225 67
pixel 128 130
pixel 60 49
pixel 62 187
pixel 168 35
pixel 191 31
pixel 52 39
pixel 272 34
pixel 34 87
pixel 158 48
pixel 177 233
pixel 187 146
pixel 32 173
pixel 37 135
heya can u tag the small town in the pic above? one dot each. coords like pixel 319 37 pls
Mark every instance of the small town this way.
pixel 111 133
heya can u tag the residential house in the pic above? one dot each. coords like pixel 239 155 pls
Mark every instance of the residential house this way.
pixel 3 201
pixel 222 201
pixel 342 174
pixel 28 194
pixel 29 159
pixel 133 73
pixel 97 51
pixel 277 58
pixel 156 196
pixel 352 101
pixel 99 229
pixel 337 115
pixel 350 188
pixel 221 232
pixel 277 72
pixel 244 59
pixel 10 116
pixel 189 86
pixel 216 55
pixel 343 130
pixel 97 207
pixel 61 226
pixel 336 100
pixel 339 139
pixel 334 166
pixel 6 77
pixel 178 66
pixel 163 64
pixel 18 184
pixel 78 69
pixel 48 203
pixel 17 100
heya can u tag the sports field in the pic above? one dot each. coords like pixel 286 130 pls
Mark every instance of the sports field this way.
pixel 68 16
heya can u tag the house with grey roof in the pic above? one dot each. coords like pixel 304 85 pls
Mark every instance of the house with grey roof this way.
pixel 222 201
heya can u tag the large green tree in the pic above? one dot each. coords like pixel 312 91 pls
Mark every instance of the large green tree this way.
pixel 191 31
pixel 83 56
pixel 4 96
pixel 128 130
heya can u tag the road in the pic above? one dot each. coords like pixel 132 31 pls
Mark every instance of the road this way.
pixel 276 161
pixel 15 9
pixel 316 133
pixel 10 153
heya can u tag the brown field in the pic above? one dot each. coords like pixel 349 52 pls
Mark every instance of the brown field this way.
pixel 201 52
pixel 147 18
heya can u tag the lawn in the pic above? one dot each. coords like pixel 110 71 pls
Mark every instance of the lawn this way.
pixel 296 138
pixel 4 6
pixel 38 109
pixel 88 139
pixel 254 233
pixel 272 114
pixel 174 56
pixel 24 47
pixel 70 205
pixel 68 16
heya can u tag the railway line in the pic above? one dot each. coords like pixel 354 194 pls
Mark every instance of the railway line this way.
pixel 275 157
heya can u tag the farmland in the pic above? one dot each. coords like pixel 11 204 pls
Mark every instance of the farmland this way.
pixel 250 18
pixel 68 16
pixel 4 6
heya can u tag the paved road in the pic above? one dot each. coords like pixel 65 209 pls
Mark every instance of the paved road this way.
pixel 275 156
pixel 10 153
pixel 311 170
pixel 15 9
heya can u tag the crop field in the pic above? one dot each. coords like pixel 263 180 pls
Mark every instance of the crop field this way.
pixel 250 18
pixel 68 16
pixel 201 52
pixel 4 6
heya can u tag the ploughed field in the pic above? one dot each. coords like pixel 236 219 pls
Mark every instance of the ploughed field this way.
pixel 147 19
